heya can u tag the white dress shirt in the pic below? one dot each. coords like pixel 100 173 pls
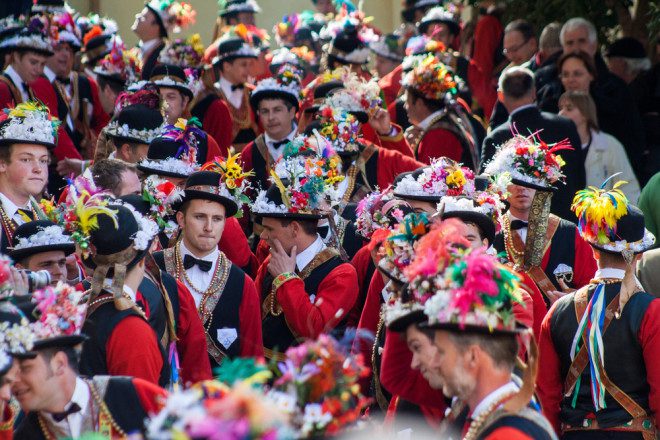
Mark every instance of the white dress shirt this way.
pixel 276 153
pixel 609 272
pixel 11 209
pixel 201 280
pixel 426 123
pixel 522 232
pixel 235 97
pixel 67 89
pixel 306 256
pixel 146 46
pixel 72 424
pixel 494 397
pixel 18 82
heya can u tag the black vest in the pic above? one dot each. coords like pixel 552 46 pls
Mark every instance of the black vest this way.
pixel 276 333
pixel 522 424
pixel 226 311
pixel 98 327
pixel 151 61
pixel 261 174
pixel 620 342
pixel 122 401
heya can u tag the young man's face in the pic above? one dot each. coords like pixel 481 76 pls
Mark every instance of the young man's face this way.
pixel 473 235
pixel 108 98
pixel 130 184
pixel 276 118
pixel 412 108
pixel 37 387
pixel 176 103
pixel 52 261
pixel 441 32
pixel 62 62
pixel 145 25
pixel 425 356
pixel 28 65
pixel 454 367
pixel 420 206
pixel 520 197
pixel 6 381
pixel 27 170
pixel 202 223
pixel 132 153
pixel 237 71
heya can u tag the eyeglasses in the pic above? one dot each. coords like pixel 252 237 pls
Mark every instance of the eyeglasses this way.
pixel 514 49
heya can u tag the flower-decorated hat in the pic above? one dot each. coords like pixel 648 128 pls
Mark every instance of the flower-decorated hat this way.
pixel 65 31
pixel 432 79
pixel 388 46
pixel 6 282
pixel 188 53
pixel 33 37
pixel 99 36
pixel 349 37
pixel 173 153
pixel 296 29
pixel 174 77
pixel 313 152
pixel 222 181
pixel 357 96
pixel 28 123
pixel 118 65
pixel 10 26
pixel 439 15
pixel 379 210
pixel 529 162
pixel 418 48
pixel 322 86
pixel 50 7
pixel 442 177
pixel 342 129
pixel 40 236
pixel 609 222
pixel 298 57
pixel 160 195
pixel 172 16
pixel 236 43
pixel 233 7
pixel 61 313
pixel 411 6
pixel 285 85
pixel 16 336
pixel 138 117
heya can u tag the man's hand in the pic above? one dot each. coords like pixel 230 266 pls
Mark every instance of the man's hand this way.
pixel 72 269
pixel 554 295
pixel 280 261
pixel 380 121
pixel 19 280
pixel 68 166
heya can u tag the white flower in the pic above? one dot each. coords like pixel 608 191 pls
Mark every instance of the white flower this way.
pixel 171 165
pixel 148 229
pixel 146 136
pixel 47 236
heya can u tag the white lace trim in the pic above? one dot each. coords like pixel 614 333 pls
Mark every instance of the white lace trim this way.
pixel 171 165
pixel 148 229
pixel 285 56
pixel 245 51
pixel 638 246
pixel 35 41
pixel 34 127
pixel 48 236
pixel 262 205
pixel 168 81
pixel 247 6
pixel 380 48
pixel 271 84
pixel 146 136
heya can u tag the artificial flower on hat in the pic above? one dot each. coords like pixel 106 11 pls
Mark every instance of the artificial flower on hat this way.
pixel 285 84
pixel 342 129
pixel 186 134
pixel 528 161
pixel 64 30
pixel 33 36
pixel 433 79
pixel 423 46
pixel 357 95
pixel 28 123
pixel 185 53
pixel 173 15
pixel 379 210
pixel 16 336
pixel 232 177
pixel 349 34
pixel 313 153
pixel 61 310
pixel 6 282
pixel 441 177
pixel 161 194
pixel 120 64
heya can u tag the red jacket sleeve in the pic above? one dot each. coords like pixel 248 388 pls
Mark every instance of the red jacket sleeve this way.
pixel 361 264
pixel 252 344
pixel 263 251
pixel 8 416
pixel 584 264
pixel 217 123
pixel 99 117
pixel 6 99
pixel 191 344
pixel 213 150
pixel 507 433
pixel 549 383
pixel 132 350
pixel 539 309
pixel 236 247
pixel 391 164
pixel 397 142
pixel 390 84
pixel 152 397
pixel 371 311
pixel 487 37
pixel 649 339
pixel 334 298
pixel 397 376
pixel 439 142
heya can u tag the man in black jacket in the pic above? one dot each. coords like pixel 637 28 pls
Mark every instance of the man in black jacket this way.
pixel 518 95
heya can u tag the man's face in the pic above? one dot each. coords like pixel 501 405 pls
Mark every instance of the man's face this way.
pixel 517 49
pixel 52 261
pixel 237 71
pixel 145 25
pixel 473 235
pixel 28 65
pixel 247 18
pixel 176 103
pixel 577 40
pixel 202 225
pixel 6 382
pixel 420 206
pixel 132 154
pixel 273 229
pixel 520 197
pixel 62 62
pixel 440 32
pixel 325 7
pixel 108 98
pixel 276 118
pixel 130 184
pixel 36 387
pixel 384 65
pixel 454 368
pixel 425 356
pixel 27 170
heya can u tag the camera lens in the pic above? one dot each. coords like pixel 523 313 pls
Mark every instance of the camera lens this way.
pixel 37 280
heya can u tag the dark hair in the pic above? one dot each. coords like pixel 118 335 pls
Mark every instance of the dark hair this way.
pixel 517 82
pixel 502 348
pixel 107 173
pixel 482 236
pixel 523 26
pixel 309 227
pixel 287 103
pixel 432 104
pixel 114 85
pixel 72 355
pixel 586 59
pixel 5 153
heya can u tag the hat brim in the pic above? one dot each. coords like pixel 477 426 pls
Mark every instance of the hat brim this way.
pixel 454 28
pixel 231 208
pixel 258 216
pixel 481 220
pixel 535 186
pixel 158 172
pixel 256 98
pixel 113 78
pixel 469 328
pixel 20 254
pixel 55 342
pixel 89 262
pixel 7 142
pixel 647 234
pixel 44 52
pixel 432 199
pixel 401 324
pixel 181 88
pixel 218 59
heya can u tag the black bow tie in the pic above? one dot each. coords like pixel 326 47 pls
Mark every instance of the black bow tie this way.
pixel 323 231
pixel 25 87
pixel 58 417
pixel 278 144
pixel 235 87
pixel 518 224
pixel 66 81
pixel 189 261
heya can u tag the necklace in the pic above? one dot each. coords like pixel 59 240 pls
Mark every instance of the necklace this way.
pixel 514 254
pixel 477 423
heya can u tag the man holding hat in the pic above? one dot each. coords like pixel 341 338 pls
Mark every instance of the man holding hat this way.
pixel 56 400
pixel 599 345
pixel 226 298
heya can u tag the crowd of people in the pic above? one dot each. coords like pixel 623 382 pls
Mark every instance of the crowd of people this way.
pixel 333 231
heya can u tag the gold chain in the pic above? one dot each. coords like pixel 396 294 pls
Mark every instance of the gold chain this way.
pixel 515 255
pixel 477 423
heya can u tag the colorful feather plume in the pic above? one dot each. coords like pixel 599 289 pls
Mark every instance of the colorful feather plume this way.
pixel 598 211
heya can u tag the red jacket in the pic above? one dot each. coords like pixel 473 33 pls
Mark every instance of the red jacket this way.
pixel 390 84
pixel 218 122
pixel 439 142
pixel 236 247
pixel 487 37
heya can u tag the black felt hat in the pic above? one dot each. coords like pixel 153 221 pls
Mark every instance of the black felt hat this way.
pixel 630 229
pixel 626 47
pixel 29 231
pixel 274 195
pixel 95 49
pixel 233 7
pixel 485 223
pixel 160 150
pixel 410 6
pixel 172 76
pixel 232 48
pixel 421 197
pixel 321 92
pixel 136 123
pixel 28 39
pixel 345 44
pixel 206 185
pixel 274 92
pixel 439 16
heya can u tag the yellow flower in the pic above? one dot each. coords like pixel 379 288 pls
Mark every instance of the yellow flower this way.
pixel 231 183
pixel 181 123
pixel 457 178
pixel 560 161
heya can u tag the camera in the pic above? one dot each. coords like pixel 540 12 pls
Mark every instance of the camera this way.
pixel 37 280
